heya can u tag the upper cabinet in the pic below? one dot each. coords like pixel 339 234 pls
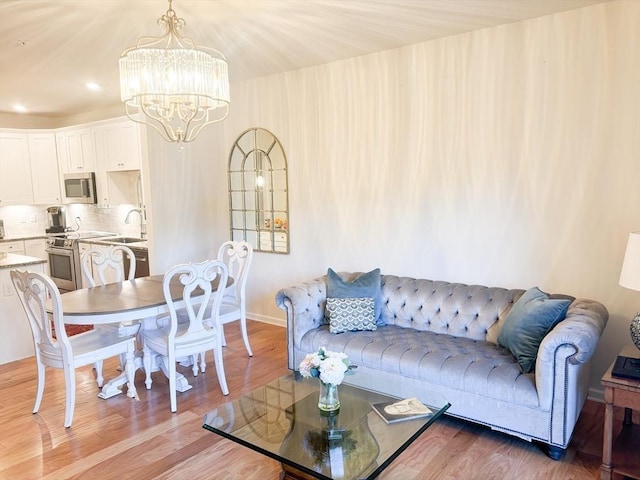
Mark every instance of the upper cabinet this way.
pixel 15 170
pixel 118 156
pixel 44 168
pixel 28 168
pixel 81 156
pixel 33 162
pixel 121 146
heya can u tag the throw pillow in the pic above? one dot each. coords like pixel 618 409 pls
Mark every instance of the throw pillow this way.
pixel 365 285
pixel 351 314
pixel 530 319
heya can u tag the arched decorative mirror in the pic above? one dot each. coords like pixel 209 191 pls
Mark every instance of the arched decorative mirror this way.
pixel 258 191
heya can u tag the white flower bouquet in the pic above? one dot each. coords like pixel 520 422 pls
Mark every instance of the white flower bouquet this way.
pixel 329 367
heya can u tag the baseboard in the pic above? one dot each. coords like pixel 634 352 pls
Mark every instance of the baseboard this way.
pixel 596 394
pixel 279 322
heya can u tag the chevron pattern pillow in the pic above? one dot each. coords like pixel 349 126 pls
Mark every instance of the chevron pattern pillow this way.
pixel 351 314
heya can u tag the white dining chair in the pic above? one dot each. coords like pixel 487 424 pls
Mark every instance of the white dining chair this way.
pixel 102 265
pixel 238 257
pixel 61 351
pixel 105 264
pixel 188 338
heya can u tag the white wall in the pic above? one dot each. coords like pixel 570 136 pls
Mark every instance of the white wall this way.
pixel 506 157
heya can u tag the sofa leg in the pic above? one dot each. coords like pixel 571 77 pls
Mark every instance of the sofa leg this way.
pixel 555 453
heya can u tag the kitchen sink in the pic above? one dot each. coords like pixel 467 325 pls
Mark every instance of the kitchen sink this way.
pixel 124 240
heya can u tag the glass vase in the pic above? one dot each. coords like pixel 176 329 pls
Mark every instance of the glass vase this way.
pixel 328 400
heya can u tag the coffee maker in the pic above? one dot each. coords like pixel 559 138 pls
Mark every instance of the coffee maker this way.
pixel 57 219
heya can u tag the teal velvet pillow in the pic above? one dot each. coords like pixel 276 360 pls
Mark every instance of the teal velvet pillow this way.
pixel 530 319
pixel 366 285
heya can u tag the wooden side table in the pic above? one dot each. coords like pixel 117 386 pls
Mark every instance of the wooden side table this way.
pixel 623 458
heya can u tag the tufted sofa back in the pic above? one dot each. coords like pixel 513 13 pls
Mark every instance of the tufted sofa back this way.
pixel 471 311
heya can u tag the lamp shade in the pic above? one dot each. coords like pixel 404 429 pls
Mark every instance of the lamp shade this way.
pixel 630 274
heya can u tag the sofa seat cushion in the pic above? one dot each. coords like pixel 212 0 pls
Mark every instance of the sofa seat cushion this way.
pixel 469 365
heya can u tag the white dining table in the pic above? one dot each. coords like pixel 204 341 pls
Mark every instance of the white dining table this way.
pixel 141 299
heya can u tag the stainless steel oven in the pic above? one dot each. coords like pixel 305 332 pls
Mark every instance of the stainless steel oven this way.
pixel 63 253
pixel 64 267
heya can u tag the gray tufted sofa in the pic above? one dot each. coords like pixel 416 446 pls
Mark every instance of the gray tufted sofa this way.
pixel 442 337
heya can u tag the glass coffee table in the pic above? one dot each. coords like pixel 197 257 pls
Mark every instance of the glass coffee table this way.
pixel 281 420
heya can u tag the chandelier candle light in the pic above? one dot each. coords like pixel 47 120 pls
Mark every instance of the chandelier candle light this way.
pixel 173 86
pixel 330 368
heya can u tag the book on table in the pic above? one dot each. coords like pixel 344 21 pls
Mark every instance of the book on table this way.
pixel 626 367
pixel 401 410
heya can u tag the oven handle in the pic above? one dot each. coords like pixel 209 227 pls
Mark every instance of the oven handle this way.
pixel 59 251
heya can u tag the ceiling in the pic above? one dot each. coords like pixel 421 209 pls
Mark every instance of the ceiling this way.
pixel 50 49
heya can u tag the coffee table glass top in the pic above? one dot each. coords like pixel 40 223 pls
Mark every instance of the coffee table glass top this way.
pixel 281 420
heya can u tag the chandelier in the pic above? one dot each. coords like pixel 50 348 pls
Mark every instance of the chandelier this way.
pixel 173 86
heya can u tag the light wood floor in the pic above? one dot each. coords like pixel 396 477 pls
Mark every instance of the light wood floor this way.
pixel 120 438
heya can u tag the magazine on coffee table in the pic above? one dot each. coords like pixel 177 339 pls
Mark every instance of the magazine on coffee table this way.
pixel 401 410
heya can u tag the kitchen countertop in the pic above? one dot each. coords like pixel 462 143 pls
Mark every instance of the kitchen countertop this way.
pixel 107 241
pixel 21 237
pixel 11 260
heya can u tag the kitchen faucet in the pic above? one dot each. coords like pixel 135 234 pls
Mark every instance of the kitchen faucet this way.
pixel 143 226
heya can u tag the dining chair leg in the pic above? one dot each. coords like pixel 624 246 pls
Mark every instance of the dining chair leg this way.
pixel 41 380
pixel 194 367
pixel 245 337
pixel 224 340
pixel 222 379
pixel 98 368
pixel 70 386
pixel 203 363
pixel 172 383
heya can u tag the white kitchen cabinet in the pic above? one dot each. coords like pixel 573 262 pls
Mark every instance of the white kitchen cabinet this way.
pixel 63 159
pixel 121 146
pixel 117 147
pixel 36 247
pixel 81 154
pixel 44 168
pixel 15 170
pixel 16 341
pixel 15 246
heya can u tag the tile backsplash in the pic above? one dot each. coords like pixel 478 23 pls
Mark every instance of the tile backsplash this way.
pixel 27 220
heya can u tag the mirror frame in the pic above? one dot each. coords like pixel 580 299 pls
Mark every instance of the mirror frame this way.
pixel 259 191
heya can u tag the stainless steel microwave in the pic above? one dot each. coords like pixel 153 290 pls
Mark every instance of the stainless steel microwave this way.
pixel 80 187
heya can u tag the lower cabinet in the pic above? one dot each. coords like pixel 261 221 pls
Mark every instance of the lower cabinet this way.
pixel 16 341
pixel 36 247
pixel 15 246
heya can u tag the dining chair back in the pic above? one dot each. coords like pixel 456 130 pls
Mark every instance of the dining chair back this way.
pixel 202 291
pixel 59 350
pixel 238 257
pixel 103 265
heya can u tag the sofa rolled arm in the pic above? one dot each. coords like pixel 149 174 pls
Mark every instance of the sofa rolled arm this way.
pixel 573 340
pixel 304 305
